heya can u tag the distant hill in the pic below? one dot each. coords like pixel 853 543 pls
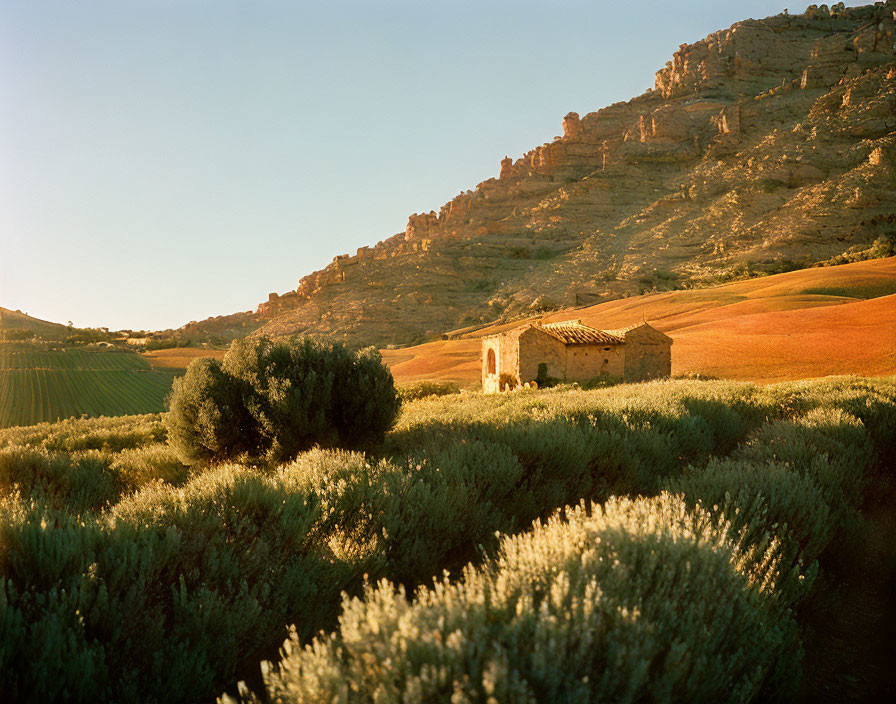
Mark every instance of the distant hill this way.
pixel 810 323
pixel 219 330
pixel 766 147
pixel 17 320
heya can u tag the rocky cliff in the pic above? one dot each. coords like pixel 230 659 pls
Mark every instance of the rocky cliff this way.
pixel 767 146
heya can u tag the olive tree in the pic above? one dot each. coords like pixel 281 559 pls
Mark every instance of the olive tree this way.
pixel 274 399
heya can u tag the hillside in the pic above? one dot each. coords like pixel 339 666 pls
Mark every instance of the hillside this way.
pixel 809 323
pixel 766 147
pixel 15 320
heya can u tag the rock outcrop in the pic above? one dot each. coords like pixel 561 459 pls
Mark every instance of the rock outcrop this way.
pixel 766 146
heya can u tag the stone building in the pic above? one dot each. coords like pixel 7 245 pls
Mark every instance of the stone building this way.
pixel 572 351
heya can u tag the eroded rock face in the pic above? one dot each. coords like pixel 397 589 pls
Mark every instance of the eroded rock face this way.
pixel 506 166
pixel 572 125
pixel 767 144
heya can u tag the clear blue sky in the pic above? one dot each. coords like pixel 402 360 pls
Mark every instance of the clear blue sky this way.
pixel 169 160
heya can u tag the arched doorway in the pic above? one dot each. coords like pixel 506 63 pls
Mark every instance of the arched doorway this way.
pixel 491 365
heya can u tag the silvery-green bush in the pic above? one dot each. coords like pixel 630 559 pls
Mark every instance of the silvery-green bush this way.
pixel 77 482
pixel 643 600
pixel 104 434
pixel 170 584
pixel 139 466
pixel 163 597
pixel 423 389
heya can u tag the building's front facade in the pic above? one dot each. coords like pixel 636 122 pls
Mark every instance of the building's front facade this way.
pixel 570 351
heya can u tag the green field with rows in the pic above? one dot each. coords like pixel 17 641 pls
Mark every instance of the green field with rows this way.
pixel 47 383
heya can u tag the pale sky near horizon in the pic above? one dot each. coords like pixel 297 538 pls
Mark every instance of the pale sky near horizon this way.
pixel 169 160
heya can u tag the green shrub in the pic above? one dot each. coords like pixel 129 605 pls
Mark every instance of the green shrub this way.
pixel 106 434
pixel 797 479
pixel 275 399
pixel 827 444
pixel 556 457
pixel 166 597
pixel 81 483
pixel 143 465
pixel 207 417
pixel 422 389
pixel 635 601
pixel 761 501
pixel 410 521
pixel 287 390
pixel 871 401
pixel 364 404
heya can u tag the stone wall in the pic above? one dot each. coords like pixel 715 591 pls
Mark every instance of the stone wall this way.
pixel 584 362
pixel 537 347
pixel 506 350
pixel 499 347
pixel 648 354
pixel 509 360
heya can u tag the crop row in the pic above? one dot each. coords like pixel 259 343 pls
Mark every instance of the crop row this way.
pixel 24 356
pixel 36 395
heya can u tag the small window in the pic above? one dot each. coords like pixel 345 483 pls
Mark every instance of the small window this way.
pixel 606 349
pixel 491 362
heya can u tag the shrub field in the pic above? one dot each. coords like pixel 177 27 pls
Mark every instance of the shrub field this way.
pixel 668 541
pixel 40 382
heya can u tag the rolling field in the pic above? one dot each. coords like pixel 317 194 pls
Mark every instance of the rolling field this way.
pixel 802 324
pixel 178 359
pixel 43 383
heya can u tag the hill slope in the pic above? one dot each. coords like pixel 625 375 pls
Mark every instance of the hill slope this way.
pixel 14 320
pixel 810 323
pixel 765 147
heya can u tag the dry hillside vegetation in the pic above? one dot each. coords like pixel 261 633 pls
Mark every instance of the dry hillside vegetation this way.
pixel 17 321
pixel 765 147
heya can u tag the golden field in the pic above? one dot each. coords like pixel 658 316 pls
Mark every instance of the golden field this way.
pixel 179 358
pixel 802 324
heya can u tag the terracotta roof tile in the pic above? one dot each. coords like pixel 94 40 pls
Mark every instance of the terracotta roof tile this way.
pixel 620 332
pixel 574 332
